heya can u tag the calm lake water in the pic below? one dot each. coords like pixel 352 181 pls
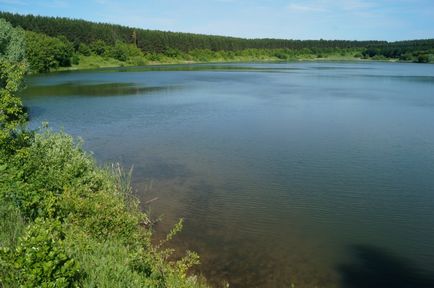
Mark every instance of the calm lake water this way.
pixel 317 174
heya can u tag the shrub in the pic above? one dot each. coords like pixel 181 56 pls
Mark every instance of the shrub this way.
pixel 61 214
pixel 45 53
pixel 422 58
pixel 99 47
pixel 122 51
pixel 75 59
pixel 84 49
pixel 80 215
pixel 12 69
pixel 11 225
pixel 12 114
pixel 11 42
pixel 52 163
pixel 40 258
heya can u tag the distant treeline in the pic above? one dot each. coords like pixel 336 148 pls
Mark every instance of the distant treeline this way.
pixel 86 38
pixel 80 31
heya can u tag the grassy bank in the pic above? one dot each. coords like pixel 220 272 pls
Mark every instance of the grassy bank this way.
pixel 65 221
pixel 95 61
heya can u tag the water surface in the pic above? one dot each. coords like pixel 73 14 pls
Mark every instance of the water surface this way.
pixel 317 174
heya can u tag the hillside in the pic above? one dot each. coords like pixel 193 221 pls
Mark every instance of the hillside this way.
pixel 72 41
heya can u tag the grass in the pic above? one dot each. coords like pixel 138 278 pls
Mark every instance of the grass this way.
pixel 11 226
pixel 65 222
pixel 95 61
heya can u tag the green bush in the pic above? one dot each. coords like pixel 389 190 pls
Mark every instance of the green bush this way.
pixel 422 58
pixel 84 49
pixel 107 263
pixel 122 51
pixel 11 226
pixel 40 258
pixel 11 42
pixel 75 59
pixel 91 218
pixel 80 215
pixel 138 61
pixel 12 114
pixel 45 53
pixel 99 47
pixel 62 215
pixel 12 69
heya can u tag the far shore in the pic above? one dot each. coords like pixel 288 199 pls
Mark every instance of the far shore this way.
pixel 113 63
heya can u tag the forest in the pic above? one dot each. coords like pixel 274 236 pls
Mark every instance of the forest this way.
pixel 54 42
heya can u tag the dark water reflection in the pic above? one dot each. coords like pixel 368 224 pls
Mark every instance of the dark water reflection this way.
pixel 81 89
pixel 377 268
pixel 276 168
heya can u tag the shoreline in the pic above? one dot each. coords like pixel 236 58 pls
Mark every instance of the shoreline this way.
pixel 96 66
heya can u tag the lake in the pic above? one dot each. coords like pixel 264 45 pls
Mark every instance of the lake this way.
pixel 319 174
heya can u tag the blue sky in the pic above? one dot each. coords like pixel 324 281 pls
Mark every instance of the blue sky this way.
pixel 293 19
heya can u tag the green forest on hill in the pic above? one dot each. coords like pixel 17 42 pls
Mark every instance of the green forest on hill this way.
pixel 53 42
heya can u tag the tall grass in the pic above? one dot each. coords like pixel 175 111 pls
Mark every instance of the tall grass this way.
pixel 71 223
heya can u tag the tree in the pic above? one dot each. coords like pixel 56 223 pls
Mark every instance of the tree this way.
pixel 11 42
pixel 123 52
pixel 99 47
pixel 12 70
pixel 134 38
pixel 84 49
pixel 422 58
pixel 45 53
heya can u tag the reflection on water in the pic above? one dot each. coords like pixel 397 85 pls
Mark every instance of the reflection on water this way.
pixel 377 268
pixel 84 89
pixel 276 168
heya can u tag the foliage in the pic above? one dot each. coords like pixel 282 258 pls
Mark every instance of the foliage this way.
pixel 11 109
pixel 11 42
pixel 119 51
pixel 160 44
pixel 75 60
pixel 95 61
pixel 40 258
pixel 152 41
pixel 11 225
pixel 45 53
pixel 416 51
pixel 84 49
pixel 99 47
pixel 422 58
pixel 123 52
pixel 59 42
pixel 62 215
pixel 54 166
pixel 79 216
pixel 12 70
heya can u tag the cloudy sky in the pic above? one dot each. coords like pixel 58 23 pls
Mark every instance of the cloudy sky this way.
pixel 294 19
